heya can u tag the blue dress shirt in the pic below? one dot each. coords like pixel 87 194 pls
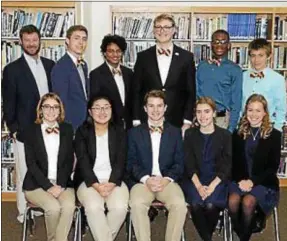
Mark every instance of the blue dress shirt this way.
pixel 223 84
pixel 272 87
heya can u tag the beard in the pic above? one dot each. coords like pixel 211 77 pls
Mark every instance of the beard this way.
pixel 28 52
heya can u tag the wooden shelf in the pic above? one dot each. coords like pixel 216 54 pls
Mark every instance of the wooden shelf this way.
pixel 8 196
pixel 38 4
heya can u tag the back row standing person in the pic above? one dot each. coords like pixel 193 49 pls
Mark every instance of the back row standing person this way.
pixel 169 68
pixel 70 76
pixel 221 79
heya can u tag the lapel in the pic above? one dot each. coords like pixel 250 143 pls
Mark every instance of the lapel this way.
pixel 92 140
pixel 173 64
pixel 153 65
pixel 30 77
pixel 48 71
pixel 126 80
pixel 163 146
pixel 259 156
pixel 147 141
pixel 40 140
pixel 198 143
pixel 62 145
pixel 112 139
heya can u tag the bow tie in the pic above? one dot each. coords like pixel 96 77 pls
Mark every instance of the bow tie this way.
pixel 80 61
pixel 214 61
pixel 116 71
pixel 161 51
pixel 158 129
pixel 257 74
pixel 50 130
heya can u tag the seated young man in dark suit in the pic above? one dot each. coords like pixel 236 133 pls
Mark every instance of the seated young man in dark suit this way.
pixel 113 79
pixel 155 164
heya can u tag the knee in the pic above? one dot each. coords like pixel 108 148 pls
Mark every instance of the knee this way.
pixel 178 205
pixel 138 202
pixel 52 209
pixel 93 208
pixel 69 207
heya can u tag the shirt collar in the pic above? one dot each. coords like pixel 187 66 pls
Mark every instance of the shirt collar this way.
pixel 170 48
pixel 150 124
pixel 111 67
pixel 74 58
pixel 30 59
pixel 45 125
pixel 264 70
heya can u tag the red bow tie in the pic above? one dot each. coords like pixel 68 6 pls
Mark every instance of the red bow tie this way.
pixel 257 74
pixel 161 51
pixel 50 130
pixel 80 61
pixel 116 71
pixel 158 129
pixel 214 61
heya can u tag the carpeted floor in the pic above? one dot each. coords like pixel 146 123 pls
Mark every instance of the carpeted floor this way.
pixel 11 229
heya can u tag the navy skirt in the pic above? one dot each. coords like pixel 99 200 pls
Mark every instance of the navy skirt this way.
pixel 267 198
pixel 218 198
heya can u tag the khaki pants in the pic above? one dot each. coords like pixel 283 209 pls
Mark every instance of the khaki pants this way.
pixel 140 200
pixel 104 227
pixel 58 212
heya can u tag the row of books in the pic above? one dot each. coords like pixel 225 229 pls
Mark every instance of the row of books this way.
pixel 282 170
pixel 11 50
pixel 8 178
pixel 280 28
pixel 280 57
pixel 141 27
pixel 7 151
pixel 50 24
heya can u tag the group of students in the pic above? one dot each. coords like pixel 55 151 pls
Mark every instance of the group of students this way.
pixel 126 130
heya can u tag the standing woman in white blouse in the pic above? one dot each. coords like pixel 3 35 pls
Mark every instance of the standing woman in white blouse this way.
pixel 101 154
pixel 49 157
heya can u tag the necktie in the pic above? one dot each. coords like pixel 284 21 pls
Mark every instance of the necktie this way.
pixel 116 71
pixel 217 62
pixel 50 130
pixel 161 51
pixel 158 129
pixel 257 74
pixel 80 61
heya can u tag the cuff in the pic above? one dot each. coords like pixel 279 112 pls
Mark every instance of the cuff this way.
pixel 170 179
pixel 187 122
pixel 144 179
pixel 136 122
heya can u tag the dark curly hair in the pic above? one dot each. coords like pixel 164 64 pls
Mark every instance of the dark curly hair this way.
pixel 116 39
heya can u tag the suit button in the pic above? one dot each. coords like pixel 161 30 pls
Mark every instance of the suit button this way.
pixel 163 89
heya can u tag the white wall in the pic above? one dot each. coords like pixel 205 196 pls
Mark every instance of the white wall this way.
pixel 97 18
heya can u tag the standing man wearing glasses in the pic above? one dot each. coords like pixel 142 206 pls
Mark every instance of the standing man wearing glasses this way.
pixel 25 81
pixel 169 68
pixel 221 79
pixel 113 79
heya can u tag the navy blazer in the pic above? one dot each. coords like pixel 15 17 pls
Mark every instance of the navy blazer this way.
pixel 20 94
pixel 37 159
pixel 66 82
pixel 171 156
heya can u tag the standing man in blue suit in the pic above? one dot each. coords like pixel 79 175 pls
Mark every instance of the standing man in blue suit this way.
pixel 155 164
pixel 70 76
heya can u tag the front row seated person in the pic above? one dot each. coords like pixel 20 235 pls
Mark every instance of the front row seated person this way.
pixel 208 167
pixel 101 154
pixel 256 158
pixel 155 163
pixel 49 157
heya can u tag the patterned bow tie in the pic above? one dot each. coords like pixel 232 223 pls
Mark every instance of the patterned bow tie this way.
pixel 116 71
pixel 80 61
pixel 50 130
pixel 158 129
pixel 257 75
pixel 217 62
pixel 161 51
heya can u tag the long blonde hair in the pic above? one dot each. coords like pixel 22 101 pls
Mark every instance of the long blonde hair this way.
pixel 244 125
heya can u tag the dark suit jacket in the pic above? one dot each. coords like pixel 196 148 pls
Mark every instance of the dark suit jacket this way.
pixel 171 156
pixel 179 86
pixel 265 163
pixel 37 159
pixel 21 95
pixel 66 82
pixel 86 152
pixel 102 82
pixel 221 147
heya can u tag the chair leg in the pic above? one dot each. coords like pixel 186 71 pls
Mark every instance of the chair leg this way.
pixel 225 225
pixel 182 235
pixel 276 224
pixel 130 230
pixel 77 227
pixel 24 235
pixel 31 222
pixel 80 226
pixel 230 229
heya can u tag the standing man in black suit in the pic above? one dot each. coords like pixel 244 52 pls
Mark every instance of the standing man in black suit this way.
pixel 169 68
pixel 113 79
pixel 25 80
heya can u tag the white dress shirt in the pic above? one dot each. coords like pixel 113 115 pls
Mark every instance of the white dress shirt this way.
pixel 52 143
pixel 164 62
pixel 119 82
pixel 39 73
pixel 102 167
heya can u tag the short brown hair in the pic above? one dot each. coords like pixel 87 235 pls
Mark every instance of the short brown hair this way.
pixel 75 28
pixel 39 112
pixel 154 94
pixel 164 16
pixel 204 100
pixel 260 43
pixel 29 29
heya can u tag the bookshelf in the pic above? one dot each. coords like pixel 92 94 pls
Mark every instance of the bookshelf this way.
pixel 195 26
pixel 53 19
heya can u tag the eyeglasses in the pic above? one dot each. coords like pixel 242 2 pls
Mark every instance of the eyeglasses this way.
pixel 220 41
pixel 164 28
pixel 49 107
pixel 112 51
pixel 98 109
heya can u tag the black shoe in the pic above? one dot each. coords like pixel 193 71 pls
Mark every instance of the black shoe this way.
pixel 152 213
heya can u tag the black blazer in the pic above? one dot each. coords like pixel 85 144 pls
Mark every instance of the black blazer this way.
pixel 102 82
pixel 221 146
pixel 86 152
pixel 37 159
pixel 179 86
pixel 20 94
pixel 265 163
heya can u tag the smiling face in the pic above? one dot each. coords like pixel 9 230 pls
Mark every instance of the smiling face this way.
pixel 101 111
pixel 155 109
pixel 51 111
pixel 258 59
pixel 220 45
pixel 255 113
pixel 113 54
pixel 163 31
pixel 30 43
pixel 204 115
pixel 77 43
